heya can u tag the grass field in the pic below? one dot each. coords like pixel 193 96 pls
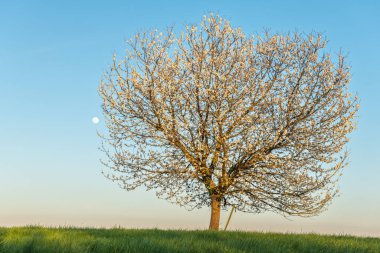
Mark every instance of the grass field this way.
pixel 82 240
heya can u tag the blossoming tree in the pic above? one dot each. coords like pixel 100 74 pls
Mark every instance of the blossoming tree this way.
pixel 212 117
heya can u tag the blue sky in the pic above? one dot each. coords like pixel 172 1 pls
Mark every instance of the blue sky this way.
pixel 52 56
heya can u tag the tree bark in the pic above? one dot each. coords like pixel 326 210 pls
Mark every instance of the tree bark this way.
pixel 215 213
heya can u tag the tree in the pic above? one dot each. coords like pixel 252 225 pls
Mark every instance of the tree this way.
pixel 212 117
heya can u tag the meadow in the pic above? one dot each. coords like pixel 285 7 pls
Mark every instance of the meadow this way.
pixel 86 240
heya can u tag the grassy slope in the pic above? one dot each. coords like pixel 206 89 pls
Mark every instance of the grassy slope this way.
pixel 57 240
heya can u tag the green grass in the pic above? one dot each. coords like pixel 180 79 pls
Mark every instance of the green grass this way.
pixel 82 240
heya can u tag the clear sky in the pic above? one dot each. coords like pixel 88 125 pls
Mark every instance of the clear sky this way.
pixel 52 56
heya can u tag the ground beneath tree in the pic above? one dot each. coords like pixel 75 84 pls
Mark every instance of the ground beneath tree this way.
pixel 82 240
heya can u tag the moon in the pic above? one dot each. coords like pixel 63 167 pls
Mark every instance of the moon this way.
pixel 95 120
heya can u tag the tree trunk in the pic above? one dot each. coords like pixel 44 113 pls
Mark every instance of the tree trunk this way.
pixel 215 213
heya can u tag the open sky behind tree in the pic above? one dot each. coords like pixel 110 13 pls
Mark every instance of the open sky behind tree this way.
pixel 52 56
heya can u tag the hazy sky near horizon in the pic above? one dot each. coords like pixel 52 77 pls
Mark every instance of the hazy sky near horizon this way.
pixel 52 56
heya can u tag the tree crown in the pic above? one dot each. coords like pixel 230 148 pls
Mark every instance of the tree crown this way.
pixel 258 122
